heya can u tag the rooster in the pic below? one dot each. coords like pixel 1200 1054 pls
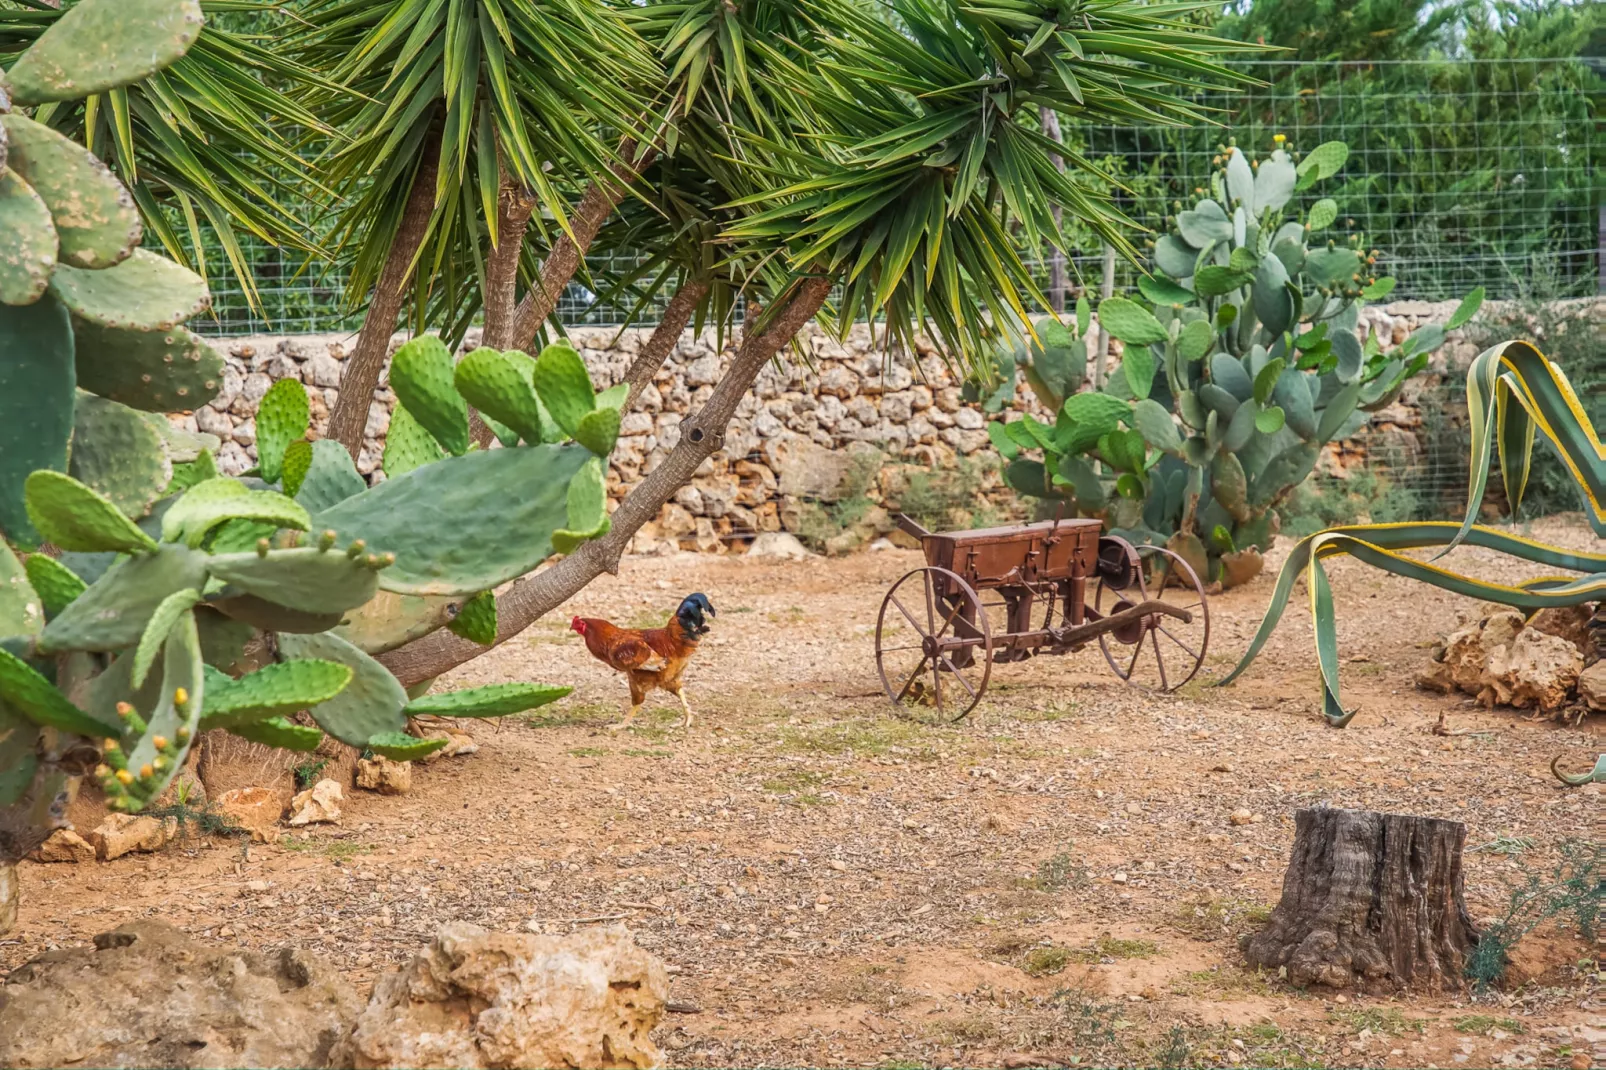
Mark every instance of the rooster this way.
pixel 652 658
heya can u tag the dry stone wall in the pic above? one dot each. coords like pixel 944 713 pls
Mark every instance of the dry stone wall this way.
pixel 796 437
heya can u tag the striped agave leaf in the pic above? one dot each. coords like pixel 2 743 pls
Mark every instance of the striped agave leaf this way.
pixel 1512 391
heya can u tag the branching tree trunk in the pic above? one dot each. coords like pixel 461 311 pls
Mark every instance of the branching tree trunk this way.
pixel 361 375
pixel 1056 263
pixel 701 434
pixel 1372 901
pixel 664 337
pixel 514 208
pixel 596 205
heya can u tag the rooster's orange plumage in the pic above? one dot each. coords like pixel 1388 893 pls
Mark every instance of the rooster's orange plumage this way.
pixel 652 659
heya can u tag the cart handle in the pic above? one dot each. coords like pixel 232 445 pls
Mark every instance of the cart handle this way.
pixel 909 527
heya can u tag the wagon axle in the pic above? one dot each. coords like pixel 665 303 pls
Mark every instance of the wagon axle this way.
pixel 1008 594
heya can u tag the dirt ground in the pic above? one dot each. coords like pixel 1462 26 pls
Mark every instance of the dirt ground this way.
pixel 1056 881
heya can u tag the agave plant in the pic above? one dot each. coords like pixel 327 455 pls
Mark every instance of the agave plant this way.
pixel 1513 391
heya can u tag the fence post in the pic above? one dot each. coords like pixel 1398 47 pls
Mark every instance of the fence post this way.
pixel 1106 291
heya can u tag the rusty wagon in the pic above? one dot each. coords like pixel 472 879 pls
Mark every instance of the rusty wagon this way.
pixel 1011 593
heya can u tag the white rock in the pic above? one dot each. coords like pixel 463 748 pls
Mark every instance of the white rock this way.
pixel 777 544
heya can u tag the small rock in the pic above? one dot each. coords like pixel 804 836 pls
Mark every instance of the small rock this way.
pixel 1535 669
pixel 1119 878
pixel 1580 1061
pixel 473 998
pixel 64 845
pixel 256 810
pixel 838 865
pixel 457 743
pixel 1241 817
pixel 121 834
pixel 387 777
pixel 777 545
pixel 997 823
pixel 319 804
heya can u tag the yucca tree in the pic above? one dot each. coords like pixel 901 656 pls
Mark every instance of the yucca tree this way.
pixel 200 142
pixel 460 118
pixel 892 160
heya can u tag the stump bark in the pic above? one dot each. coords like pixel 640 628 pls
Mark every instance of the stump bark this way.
pixel 1372 901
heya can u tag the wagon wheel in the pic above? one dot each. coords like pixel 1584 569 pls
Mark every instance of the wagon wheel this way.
pixel 1158 653
pixel 930 616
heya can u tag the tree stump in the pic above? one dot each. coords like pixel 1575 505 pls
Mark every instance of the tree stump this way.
pixel 1372 901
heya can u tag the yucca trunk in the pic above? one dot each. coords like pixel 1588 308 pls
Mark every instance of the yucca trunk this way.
pixel 663 340
pixel 701 435
pixel 349 418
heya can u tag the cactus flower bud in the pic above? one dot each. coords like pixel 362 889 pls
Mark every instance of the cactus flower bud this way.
pixel 263 546
pixel 125 710
pixel 356 549
pixel 181 697
pixel 124 777
pixel 102 771
pixel 146 772
pixel 183 733
pixel 1279 138
pixel 159 742
pixel 327 539
pixel 110 746
pixel 159 762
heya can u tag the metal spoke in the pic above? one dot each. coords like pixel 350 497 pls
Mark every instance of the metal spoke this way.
pixel 949 619
pixel 931 612
pixel 904 690
pixel 1137 648
pixel 936 679
pixel 1177 641
pixel 959 676
pixel 893 598
pixel 896 649
pixel 1159 660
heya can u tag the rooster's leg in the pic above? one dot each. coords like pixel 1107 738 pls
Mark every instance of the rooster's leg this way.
pixel 629 716
pixel 685 721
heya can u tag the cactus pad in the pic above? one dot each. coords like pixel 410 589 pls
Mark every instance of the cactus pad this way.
pixel 22 606
pixel 490 383
pixel 401 747
pixel 117 452
pixel 28 693
pixel 283 416
pixel 279 732
pixel 103 44
pixel 1156 425
pixel 75 517
pixel 182 445
pixel 370 705
pixel 174 723
pixel 210 503
pixel 91 210
pixel 466 524
pixel 389 620
pixel 408 445
pixel 36 404
pixel 598 431
pixel 273 691
pixel 154 371
pixel 493 700
pixel 421 374
pixel 293 468
pixel 223 640
pixel 111 613
pixel 331 477
pixel 186 475
pixel 307 578
pixel 564 386
pixel 586 509
pixel 146 292
pixel 29 255
pixel 156 630
pixel 476 621
pixel 272 617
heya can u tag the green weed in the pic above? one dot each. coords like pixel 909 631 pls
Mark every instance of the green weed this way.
pixel 1481 1024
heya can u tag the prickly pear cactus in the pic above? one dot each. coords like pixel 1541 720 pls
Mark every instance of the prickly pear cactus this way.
pixel 133 575
pixel 1240 363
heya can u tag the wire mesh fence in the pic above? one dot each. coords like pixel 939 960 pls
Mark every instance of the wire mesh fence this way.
pixel 1463 173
